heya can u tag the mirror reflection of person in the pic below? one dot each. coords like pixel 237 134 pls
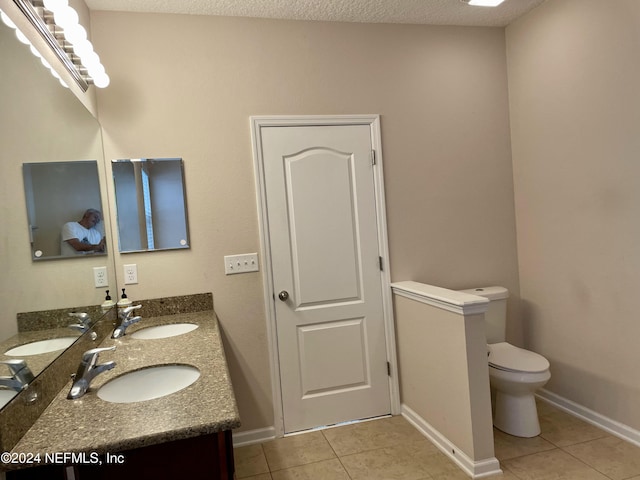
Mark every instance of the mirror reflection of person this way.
pixel 83 236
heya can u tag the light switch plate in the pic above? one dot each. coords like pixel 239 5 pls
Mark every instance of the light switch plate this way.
pixel 243 263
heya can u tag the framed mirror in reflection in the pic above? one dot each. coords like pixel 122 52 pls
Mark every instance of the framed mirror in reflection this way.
pixel 150 204
pixel 64 209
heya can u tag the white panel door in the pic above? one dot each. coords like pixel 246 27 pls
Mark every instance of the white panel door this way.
pixel 322 224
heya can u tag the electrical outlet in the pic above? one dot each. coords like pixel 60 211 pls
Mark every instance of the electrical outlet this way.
pixel 100 278
pixel 246 262
pixel 130 274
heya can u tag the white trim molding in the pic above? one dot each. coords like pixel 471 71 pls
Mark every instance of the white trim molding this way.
pixel 443 298
pixel 607 424
pixel 475 469
pixel 251 437
pixel 373 121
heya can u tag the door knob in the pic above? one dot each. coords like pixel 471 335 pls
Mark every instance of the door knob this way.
pixel 283 295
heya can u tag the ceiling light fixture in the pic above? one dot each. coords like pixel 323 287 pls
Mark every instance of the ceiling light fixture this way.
pixel 483 3
pixel 58 25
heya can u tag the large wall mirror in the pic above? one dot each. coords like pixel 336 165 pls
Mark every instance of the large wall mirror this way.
pixel 63 204
pixel 46 127
pixel 150 203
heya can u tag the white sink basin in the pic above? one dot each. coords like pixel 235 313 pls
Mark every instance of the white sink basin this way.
pixel 6 395
pixel 148 383
pixel 164 331
pixel 41 346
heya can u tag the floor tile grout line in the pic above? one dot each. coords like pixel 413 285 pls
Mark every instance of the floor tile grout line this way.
pixel 502 460
pixel 310 463
pixel 255 474
pixel 585 463
pixel 337 456
pixel 606 435
pixel 264 454
pixel 302 464
pixel 505 469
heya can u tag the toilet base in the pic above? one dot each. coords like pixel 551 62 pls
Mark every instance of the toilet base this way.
pixel 516 415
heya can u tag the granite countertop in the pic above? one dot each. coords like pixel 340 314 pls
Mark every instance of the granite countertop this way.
pixel 90 424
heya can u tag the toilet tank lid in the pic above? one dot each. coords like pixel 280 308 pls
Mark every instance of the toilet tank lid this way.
pixel 492 293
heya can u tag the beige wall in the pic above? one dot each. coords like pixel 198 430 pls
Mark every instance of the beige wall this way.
pixel 574 71
pixel 185 86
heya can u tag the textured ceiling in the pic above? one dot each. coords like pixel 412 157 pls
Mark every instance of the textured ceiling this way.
pixel 430 12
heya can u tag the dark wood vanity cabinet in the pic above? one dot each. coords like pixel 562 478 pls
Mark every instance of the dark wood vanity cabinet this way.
pixel 207 457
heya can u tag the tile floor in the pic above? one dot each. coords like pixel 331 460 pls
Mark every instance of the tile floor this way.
pixel 390 448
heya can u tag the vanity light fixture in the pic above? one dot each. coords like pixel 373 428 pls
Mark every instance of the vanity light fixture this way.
pixel 58 25
pixel 483 3
pixel 23 39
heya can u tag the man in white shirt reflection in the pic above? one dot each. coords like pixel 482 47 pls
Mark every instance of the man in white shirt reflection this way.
pixel 83 237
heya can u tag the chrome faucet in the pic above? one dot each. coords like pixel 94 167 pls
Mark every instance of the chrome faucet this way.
pixel 126 320
pixel 84 319
pixel 126 311
pixel 20 377
pixel 80 327
pixel 88 370
pixel 82 316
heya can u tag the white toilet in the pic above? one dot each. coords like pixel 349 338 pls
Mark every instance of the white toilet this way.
pixel 514 373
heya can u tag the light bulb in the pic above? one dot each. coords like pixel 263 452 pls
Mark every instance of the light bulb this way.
pixel 6 20
pixel 55 74
pixel 35 51
pixel 66 17
pixel 75 34
pixel 102 81
pixel 63 83
pixel 83 48
pixel 55 5
pixel 96 70
pixel 89 60
pixel 485 3
pixel 44 62
pixel 22 37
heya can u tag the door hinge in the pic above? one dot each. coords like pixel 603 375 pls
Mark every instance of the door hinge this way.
pixel 388 369
pixel 381 264
pixel 373 157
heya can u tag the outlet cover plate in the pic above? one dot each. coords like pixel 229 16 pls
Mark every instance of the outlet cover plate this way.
pixel 130 274
pixel 100 278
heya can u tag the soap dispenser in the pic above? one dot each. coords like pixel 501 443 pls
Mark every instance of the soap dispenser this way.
pixel 124 302
pixel 107 304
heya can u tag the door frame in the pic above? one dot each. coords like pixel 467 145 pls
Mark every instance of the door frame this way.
pixel 373 121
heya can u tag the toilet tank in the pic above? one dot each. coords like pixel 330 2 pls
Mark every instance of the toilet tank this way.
pixel 495 318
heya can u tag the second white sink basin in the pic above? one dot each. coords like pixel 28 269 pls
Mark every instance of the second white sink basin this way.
pixel 164 331
pixel 148 383
pixel 41 346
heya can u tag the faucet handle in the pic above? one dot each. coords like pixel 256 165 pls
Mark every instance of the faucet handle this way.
pixel 90 357
pixel 131 320
pixel 14 364
pixel 82 316
pixel 80 327
pixel 126 311
pixel 19 371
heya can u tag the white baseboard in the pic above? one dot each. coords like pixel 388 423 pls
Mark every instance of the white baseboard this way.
pixel 249 437
pixel 475 469
pixel 607 424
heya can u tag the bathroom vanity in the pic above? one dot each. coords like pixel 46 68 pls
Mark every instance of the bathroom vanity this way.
pixel 184 434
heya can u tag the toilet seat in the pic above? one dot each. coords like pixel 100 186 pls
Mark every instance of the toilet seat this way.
pixel 506 357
